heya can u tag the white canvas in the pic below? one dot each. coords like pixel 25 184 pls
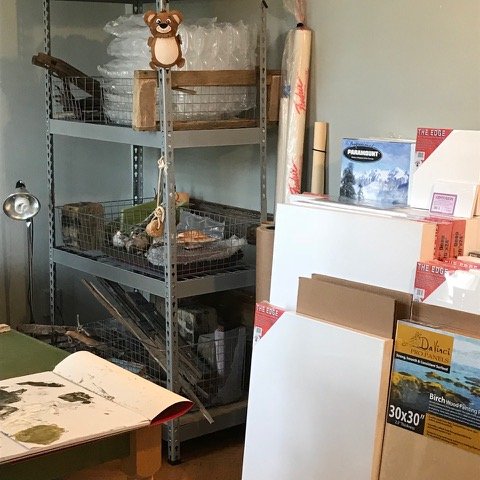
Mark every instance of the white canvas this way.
pixel 317 398
pixel 456 159
pixel 375 249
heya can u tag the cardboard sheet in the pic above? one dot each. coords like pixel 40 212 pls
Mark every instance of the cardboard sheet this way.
pixel 317 402
pixel 344 303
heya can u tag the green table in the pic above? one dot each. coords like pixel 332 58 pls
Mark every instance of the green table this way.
pixel 23 355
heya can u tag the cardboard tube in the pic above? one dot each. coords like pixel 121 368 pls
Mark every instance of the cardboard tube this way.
pixel 265 236
pixel 317 181
pixel 293 107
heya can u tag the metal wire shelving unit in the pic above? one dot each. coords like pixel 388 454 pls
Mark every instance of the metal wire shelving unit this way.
pixel 170 288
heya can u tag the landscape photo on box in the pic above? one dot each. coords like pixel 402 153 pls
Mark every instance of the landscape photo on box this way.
pixel 435 385
pixel 376 170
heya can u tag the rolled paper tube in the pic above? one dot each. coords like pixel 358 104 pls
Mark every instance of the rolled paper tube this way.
pixel 317 182
pixel 293 108
pixel 265 236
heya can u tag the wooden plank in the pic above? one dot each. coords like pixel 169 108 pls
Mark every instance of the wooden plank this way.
pixel 145 452
pixel 273 98
pixel 144 113
pixel 213 78
pixel 214 124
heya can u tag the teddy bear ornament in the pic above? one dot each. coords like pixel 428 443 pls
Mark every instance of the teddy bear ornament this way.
pixel 165 44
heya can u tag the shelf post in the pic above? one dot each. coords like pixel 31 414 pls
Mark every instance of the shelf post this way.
pixel 263 112
pixel 171 327
pixel 50 165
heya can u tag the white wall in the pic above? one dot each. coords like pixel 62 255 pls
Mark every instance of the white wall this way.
pixel 382 68
pixel 379 68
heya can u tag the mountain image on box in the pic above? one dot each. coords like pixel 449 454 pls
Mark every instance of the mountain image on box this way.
pixel 376 171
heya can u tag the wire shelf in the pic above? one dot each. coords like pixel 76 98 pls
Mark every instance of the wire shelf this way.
pixel 219 361
pixel 207 242
pixel 109 101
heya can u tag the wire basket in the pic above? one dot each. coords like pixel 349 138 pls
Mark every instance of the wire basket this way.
pixel 220 361
pixel 110 101
pixel 115 232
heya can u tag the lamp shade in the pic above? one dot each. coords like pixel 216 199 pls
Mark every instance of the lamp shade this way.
pixel 21 204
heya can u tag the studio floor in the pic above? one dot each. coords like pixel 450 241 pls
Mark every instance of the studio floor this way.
pixel 217 456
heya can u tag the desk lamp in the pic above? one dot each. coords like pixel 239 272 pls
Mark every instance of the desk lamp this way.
pixel 22 205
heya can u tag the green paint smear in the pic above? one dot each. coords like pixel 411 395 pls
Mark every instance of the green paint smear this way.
pixel 40 434
pixel 41 384
pixel 5 411
pixel 76 397
pixel 11 397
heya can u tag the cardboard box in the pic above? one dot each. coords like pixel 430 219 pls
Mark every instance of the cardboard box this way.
pixel 457 241
pixel 196 320
pixel 443 154
pixel 443 237
pixel 376 170
pixel 355 305
pixel 408 454
pixel 83 225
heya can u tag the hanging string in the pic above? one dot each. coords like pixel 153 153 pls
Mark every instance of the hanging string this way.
pixel 155 227
pixel 159 213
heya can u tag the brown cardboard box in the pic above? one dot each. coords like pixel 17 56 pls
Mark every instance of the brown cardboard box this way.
pixel 354 305
pixel 407 455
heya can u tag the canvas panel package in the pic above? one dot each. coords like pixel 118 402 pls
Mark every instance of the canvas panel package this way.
pixel 434 408
pixel 376 170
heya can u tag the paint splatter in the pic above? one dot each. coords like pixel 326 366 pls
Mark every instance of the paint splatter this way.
pixel 11 397
pixel 40 434
pixel 6 410
pixel 76 397
pixel 41 384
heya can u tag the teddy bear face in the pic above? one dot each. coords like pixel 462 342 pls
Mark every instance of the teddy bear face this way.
pixel 163 24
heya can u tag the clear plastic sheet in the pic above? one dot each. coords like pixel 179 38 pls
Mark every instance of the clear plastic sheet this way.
pixel 297 8
pixel 206 45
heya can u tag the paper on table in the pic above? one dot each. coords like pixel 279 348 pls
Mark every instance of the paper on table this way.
pixel 52 412
pixel 84 397
pixel 125 388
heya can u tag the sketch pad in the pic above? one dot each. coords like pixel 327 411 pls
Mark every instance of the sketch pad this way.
pixel 83 398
